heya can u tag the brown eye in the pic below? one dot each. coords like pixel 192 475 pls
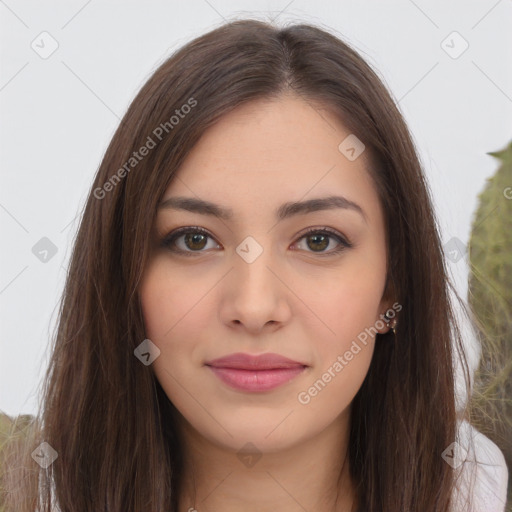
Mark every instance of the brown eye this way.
pixel 187 241
pixel 195 241
pixel 318 240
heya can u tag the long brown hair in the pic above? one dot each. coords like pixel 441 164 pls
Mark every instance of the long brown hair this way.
pixel 105 413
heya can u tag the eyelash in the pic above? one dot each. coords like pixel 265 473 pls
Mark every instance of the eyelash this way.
pixel 168 240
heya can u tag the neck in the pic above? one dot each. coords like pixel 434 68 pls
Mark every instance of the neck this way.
pixel 312 475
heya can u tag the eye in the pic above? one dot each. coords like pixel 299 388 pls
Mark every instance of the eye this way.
pixel 193 239
pixel 318 239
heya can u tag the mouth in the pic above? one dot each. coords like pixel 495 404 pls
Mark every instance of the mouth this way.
pixel 264 372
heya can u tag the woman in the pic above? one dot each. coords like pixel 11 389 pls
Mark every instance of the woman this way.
pixel 256 314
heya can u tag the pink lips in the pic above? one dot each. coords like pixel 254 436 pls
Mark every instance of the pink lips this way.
pixel 255 373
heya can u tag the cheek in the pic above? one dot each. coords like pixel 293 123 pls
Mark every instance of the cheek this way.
pixel 172 321
pixel 347 303
pixel 344 303
pixel 342 355
pixel 333 387
pixel 172 302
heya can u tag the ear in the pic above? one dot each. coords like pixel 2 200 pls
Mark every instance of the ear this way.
pixel 388 309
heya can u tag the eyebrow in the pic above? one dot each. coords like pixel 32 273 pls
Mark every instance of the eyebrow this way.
pixel 285 211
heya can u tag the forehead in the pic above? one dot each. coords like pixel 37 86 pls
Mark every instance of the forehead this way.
pixel 268 151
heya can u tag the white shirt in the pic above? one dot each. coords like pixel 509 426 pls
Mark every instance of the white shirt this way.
pixel 481 469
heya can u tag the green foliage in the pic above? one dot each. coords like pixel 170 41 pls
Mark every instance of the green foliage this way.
pixel 13 430
pixel 16 439
pixel 490 298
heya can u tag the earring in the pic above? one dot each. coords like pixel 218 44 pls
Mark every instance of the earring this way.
pixel 391 323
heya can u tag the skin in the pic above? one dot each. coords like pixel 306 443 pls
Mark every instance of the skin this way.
pixel 293 300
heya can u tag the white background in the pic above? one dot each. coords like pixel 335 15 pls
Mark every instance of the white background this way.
pixel 58 115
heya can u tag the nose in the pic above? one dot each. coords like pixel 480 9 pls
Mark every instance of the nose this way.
pixel 254 296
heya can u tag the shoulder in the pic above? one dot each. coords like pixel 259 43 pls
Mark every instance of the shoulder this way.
pixel 481 472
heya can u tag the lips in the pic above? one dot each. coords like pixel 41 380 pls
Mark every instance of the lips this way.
pixel 263 372
pixel 241 361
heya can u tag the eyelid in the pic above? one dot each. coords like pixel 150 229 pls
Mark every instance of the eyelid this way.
pixel 170 238
pixel 325 229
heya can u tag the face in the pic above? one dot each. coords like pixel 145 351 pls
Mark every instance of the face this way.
pixel 306 284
